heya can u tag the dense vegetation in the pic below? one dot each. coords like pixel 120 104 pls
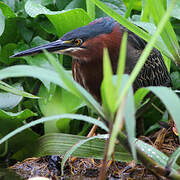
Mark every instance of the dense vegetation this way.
pixel 60 103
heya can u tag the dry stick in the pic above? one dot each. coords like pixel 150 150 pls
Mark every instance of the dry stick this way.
pixel 91 133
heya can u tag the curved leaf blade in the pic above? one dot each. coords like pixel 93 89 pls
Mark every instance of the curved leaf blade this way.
pixel 170 100
pixel 51 118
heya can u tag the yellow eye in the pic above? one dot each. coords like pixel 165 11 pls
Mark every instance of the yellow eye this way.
pixel 77 42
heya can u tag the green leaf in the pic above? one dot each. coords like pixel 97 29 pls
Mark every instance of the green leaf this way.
pixel 9 100
pixel 25 32
pixel 90 9
pixel 136 5
pixel 12 117
pixel 139 96
pixel 125 110
pixel 145 11
pixel 117 6
pixel 107 88
pixel 151 28
pixel 14 90
pixel 60 102
pixel 176 10
pixel 130 121
pixel 6 10
pixel 76 4
pixel 10 34
pixel 7 51
pixel 129 9
pixel 52 118
pixel 8 26
pixel 31 71
pixel 62 4
pixel 170 100
pixel 2 20
pixel 118 118
pixel 58 143
pixel 63 21
pixel 121 62
pixel 175 77
pixel 10 121
pixel 168 35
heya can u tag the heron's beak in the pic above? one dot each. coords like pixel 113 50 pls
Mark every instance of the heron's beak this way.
pixel 56 46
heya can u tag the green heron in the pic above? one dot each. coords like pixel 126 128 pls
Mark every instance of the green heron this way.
pixel 85 45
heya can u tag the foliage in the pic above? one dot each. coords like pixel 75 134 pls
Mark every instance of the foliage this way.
pixel 29 23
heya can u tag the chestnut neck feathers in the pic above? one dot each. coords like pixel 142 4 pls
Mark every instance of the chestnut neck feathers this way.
pixel 87 68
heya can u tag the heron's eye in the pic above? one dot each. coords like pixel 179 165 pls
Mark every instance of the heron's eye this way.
pixel 77 42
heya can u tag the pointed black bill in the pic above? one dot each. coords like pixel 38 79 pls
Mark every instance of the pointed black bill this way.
pixel 50 47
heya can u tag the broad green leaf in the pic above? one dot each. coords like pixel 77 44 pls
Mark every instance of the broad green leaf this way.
pixel 8 26
pixel 139 96
pixel 129 8
pixel 6 10
pixel 60 102
pixel 25 32
pixel 10 34
pixel 145 11
pixel 90 9
pixel 6 117
pixel 31 71
pixel 78 18
pixel 136 5
pixel 176 10
pixel 7 51
pixel 117 6
pixel 62 4
pixel 58 143
pixel 175 77
pixel 9 100
pixel 76 4
pixel 170 100
pixel 52 118
pixel 63 21
pixel 10 121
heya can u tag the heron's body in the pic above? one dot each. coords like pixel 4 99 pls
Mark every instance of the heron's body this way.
pixel 85 45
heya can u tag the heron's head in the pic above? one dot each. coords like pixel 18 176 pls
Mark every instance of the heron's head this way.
pixel 84 42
